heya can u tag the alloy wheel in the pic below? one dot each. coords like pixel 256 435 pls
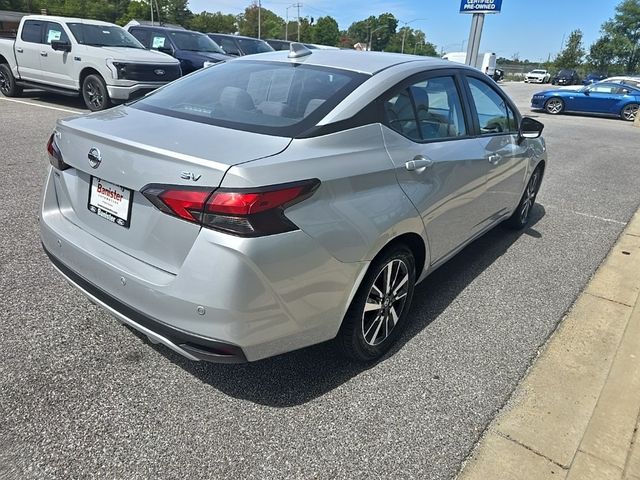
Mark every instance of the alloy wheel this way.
pixel 554 106
pixel 4 83
pixel 529 196
pixel 386 302
pixel 629 112
pixel 95 95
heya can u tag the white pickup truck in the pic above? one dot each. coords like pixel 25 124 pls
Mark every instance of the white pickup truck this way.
pixel 100 61
pixel 537 76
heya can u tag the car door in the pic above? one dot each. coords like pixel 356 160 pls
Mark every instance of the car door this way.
pixel 438 163
pixel 28 48
pixel 56 65
pixel 599 98
pixel 506 158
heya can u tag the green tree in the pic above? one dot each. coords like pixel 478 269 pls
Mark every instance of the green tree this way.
pixel 573 53
pixel 380 29
pixel 136 10
pixel 602 56
pixel 623 30
pixel 326 31
pixel 271 24
pixel 213 22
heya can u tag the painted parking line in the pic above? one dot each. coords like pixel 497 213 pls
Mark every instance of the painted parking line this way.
pixel 40 105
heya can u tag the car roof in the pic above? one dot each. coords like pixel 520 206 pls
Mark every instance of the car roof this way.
pixel 353 60
pixel 166 29
pixel 51 18
pixel 237 36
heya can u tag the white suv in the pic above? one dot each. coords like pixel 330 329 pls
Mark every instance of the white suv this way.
pixel 537 76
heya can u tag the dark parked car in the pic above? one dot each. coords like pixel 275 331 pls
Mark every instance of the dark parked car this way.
pixel 602 98
pixel 593 78
pixel 498 75
pixel 239 46
pixel 286 44
pixel 192 49
pixel 566 77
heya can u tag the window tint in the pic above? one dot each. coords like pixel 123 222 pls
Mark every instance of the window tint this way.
pixel 55 33
pixel 32 31
pixel 228 45
pixel 438 111
pixel 281 99
pixel 494 116
pixel 194 41
pixel 250 46
pixel 143 36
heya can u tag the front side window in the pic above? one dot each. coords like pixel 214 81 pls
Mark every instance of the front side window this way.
pixel 604 88
pixel 427 110
pixel 250 46
pixel 55 33
pixel 282 99
pixel 103 35
pixel 493 113
pixel 32 31
pixel 228 45
pixel 195 42
pixel 160 41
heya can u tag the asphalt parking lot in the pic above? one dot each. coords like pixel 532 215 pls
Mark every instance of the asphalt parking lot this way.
pixel 83 397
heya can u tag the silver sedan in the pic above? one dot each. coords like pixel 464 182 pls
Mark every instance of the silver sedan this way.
pixel 276 201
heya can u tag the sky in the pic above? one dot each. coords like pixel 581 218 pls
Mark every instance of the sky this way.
pixel 531 29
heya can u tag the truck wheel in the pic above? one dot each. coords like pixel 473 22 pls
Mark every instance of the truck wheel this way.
pixel 8 85
pixel 95 94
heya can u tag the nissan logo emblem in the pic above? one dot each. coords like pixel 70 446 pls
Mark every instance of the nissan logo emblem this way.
pixel 159 71
pixel 95 158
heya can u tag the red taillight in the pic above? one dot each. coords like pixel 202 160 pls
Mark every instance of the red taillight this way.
pixel 55 156
pixel 244 212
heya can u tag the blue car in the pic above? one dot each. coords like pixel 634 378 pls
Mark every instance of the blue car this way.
pixel 611 99
pixel 593 78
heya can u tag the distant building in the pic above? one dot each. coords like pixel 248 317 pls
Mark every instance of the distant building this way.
pixel 9 22
pixel 361 47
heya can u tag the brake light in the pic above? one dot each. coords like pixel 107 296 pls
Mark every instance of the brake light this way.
pixel 243 212
pixel 55 156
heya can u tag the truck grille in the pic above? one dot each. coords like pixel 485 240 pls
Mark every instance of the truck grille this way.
pixel 151 73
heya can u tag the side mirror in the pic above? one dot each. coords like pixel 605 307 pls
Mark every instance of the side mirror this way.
pixel 61 46
pixel 530 128
pixel 586 92
pixel 167 50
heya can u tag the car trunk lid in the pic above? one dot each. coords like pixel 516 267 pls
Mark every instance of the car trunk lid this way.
pixel 140 149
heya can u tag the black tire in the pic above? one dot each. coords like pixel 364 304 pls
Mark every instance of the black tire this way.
pixel 361 336
pixel 8 85
pixel 522 214
pixel 554 106
pixel 95 94
pixel 629 112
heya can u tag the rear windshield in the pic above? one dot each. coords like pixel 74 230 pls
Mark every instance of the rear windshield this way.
pixel 565 72
pixel 196 42
pixel 103 36
pixel 250 46
pixel 274 98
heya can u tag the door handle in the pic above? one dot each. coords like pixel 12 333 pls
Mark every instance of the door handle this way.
pixel 494 159
pixel 418 164
pixel 43 54
pixel 19 50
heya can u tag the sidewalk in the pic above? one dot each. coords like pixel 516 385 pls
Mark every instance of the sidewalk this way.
pixel 576 414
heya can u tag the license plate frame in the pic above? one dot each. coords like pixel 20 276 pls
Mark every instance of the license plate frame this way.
pixel 110 201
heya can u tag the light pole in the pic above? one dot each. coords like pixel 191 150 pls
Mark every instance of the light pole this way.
pixel 259 15
pixel 404 31
pixel 371 32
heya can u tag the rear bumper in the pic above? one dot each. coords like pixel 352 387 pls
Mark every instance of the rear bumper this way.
pixel 231 300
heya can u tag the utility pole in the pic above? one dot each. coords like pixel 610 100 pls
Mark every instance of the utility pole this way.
pixel 151 5
pixel 404 30
pixel 259 14
pixel 298 5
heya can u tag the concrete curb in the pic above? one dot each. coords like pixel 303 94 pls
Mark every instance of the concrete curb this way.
pixel 575 414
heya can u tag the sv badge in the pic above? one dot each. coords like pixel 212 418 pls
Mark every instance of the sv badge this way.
pixel 189 176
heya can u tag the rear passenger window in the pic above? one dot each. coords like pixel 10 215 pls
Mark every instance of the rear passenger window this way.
pixel 427 110
pixel 32 31
pixel 494 115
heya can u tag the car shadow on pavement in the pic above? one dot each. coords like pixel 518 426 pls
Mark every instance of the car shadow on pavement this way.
pixel 298 377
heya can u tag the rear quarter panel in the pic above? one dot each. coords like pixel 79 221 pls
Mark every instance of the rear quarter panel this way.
pixel 359 206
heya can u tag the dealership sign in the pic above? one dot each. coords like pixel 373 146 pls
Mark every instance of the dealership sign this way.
pixel 480 6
